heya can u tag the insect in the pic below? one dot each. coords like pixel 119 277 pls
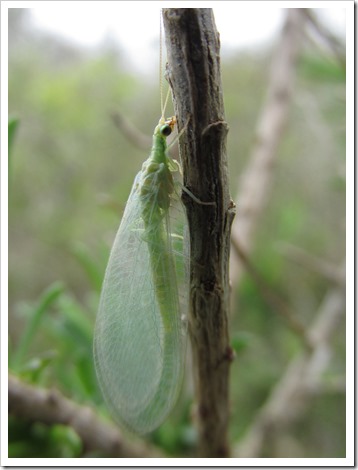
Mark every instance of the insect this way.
pixel 140 332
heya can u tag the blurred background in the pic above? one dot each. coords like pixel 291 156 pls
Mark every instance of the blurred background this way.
pixel 75 77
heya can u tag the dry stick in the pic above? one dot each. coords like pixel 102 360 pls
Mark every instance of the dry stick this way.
pixel 51 407
pixel 255 184
pixel 302 380
pixel 194 75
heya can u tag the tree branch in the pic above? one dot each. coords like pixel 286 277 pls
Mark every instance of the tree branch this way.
pixel 255 183
pixel 301 381
pixel 51 407
pixel 194 75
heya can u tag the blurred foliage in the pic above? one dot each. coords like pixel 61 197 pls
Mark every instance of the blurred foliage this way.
pixel 71 173
pixel 33 440
pixel 12 126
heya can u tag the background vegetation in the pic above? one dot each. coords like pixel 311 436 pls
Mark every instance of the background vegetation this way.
pixel 70 173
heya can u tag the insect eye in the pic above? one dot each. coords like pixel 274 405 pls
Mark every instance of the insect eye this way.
pixel 166 130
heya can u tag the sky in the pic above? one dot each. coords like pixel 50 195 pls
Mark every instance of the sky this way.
pixel 135 25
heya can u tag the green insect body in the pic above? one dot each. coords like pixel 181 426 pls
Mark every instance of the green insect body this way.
pixel 140 332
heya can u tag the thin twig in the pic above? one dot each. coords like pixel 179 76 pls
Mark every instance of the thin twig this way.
pixel 255 184
pixel 326 36
pixel 327 269
pixel 301 381
pixel 136 137
pixel 277 303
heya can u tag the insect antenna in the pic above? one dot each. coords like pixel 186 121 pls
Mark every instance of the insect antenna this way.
pixel 163 105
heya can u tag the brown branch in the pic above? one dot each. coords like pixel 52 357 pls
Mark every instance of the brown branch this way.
pixel 51 407
pixel 301 381
pixel 255 183
pixel 194 75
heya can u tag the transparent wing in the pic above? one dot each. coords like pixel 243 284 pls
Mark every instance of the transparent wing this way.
pixel 139 347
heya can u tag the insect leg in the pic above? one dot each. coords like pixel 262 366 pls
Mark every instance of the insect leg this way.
pixel 198 201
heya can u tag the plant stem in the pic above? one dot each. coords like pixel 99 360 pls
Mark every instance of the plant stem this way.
pixel 194 75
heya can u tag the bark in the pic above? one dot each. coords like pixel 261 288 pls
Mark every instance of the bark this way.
pixel 194 76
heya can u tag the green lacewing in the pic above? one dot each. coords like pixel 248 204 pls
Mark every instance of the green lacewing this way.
pixel 140 332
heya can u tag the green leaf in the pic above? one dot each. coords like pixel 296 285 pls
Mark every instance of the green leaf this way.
pixel 12 127
pixel 78 324
pixel 46 301
pixel 240 341
pixel 90 267
pixel 34 369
